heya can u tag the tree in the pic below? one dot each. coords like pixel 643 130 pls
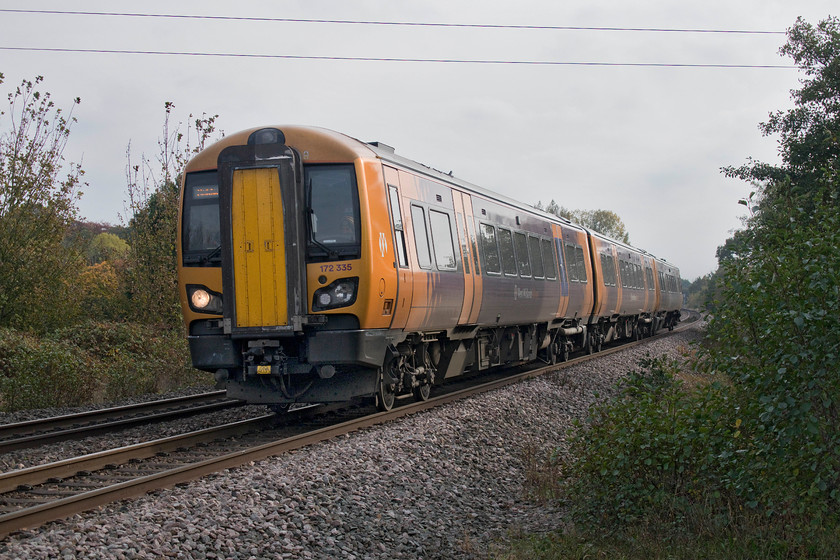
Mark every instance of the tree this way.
pixel 774 328
pixel 152 219
pixel 106 247
pixel 37 203
pixel 605 222
pixel 809 133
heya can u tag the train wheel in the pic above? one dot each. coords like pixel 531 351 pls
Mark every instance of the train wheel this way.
pixel 422 392
pixel 564 357
pixel 551 353
pixel 385 395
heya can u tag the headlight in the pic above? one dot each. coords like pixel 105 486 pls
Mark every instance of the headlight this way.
pixel 200 299
pixel 340 293
pixel 204 300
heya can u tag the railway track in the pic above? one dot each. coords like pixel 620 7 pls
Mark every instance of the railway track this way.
pixel 33 433
pixel 33 496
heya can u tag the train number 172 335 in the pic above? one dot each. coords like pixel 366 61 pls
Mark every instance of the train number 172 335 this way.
pixel 341 267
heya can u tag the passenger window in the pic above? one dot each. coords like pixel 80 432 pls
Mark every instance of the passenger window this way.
pixel 608 266
pixel 442 240
pixel 421 239
pixel 548 259
pixel 536 257
pixel 571 262
pixel 521 243
pixel 399 234
pixel 581 263
pixel 489 249
pixel 508 256
pixel 604 269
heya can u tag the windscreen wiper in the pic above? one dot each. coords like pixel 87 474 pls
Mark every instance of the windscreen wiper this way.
pixel 331 253
pixel 211 255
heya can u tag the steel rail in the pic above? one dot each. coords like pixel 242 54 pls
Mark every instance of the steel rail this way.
pixel 59 509
pixel 143 414
pixel 39 474
pixel 29 426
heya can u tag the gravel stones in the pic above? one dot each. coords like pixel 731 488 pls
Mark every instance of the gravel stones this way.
pixel 445 483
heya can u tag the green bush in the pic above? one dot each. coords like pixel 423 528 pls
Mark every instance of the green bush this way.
pixel 656 453
pixel 775 336
pixel 134 358
pixel 91 363
pixel 39 374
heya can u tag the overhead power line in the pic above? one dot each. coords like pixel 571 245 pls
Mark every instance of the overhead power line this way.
pixel 385 59
pixel 399 23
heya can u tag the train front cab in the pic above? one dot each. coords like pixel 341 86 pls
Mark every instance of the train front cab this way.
pixel 276 260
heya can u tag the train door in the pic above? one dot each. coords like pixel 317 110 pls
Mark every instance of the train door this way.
pixel 405 280
pixel 478 282
pixel 259 248
pixel 471 294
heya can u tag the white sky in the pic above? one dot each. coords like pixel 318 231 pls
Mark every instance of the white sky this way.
pixel 644 142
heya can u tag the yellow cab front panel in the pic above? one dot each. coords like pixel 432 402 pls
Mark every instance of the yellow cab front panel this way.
pixel 259 250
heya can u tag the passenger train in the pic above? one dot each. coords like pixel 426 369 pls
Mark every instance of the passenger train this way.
pixel 313 267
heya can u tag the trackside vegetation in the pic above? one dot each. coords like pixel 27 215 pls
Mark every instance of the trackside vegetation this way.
pixel 744 463
pixel 88 312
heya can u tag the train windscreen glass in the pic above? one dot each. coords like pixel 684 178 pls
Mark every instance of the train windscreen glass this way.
pixel 333 206
pixel 201 242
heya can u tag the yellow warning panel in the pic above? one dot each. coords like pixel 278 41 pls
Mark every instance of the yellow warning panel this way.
pixel 259 248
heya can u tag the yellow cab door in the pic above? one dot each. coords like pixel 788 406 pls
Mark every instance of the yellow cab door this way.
pixel 259 248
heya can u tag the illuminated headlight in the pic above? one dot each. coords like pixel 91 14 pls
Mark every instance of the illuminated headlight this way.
pixel 200 299
pixel 340 293
pixel 204 300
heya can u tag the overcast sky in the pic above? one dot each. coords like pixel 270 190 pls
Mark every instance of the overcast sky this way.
pixel 646 142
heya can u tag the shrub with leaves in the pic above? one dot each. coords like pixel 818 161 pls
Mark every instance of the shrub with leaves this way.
pixel 37 374
pixel 656 453
pixel 91 363
pixel 775 335
pixel 133 359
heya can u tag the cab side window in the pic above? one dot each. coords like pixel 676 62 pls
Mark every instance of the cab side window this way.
pixel 399 234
